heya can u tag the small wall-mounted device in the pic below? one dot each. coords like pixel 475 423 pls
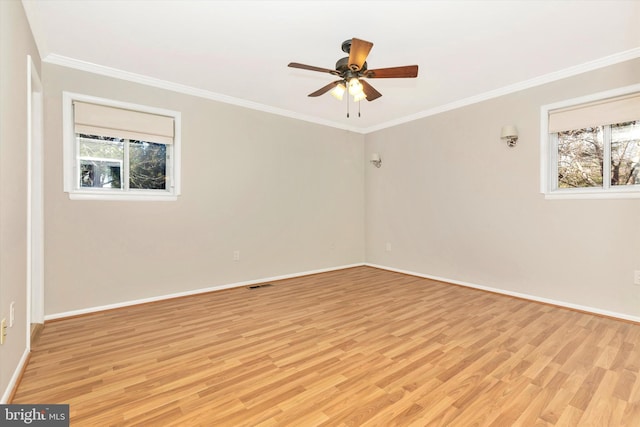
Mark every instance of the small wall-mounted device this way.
pixel 376 160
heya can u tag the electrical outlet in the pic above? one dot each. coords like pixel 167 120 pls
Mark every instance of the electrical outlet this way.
pixel 388 247
pixel 636 277
pixel 236 255
pixel 12 313
pixel 3 330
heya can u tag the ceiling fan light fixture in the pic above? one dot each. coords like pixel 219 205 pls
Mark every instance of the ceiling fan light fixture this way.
pixel 355 87
pixel 338 91
pixel 359 97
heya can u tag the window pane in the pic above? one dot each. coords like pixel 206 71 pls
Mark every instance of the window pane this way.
pixel 625 153
pixel 580 154
pixel 100 161
pixel 148 165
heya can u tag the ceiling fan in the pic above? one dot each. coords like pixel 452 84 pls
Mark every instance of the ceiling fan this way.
pixel 352 71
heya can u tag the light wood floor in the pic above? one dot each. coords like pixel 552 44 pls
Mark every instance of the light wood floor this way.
pixel 357 347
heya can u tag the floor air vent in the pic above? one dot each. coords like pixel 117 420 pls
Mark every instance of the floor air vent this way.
pixel 266 285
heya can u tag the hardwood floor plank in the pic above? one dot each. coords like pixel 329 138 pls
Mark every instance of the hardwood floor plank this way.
pixel 356 347
pixel 624 385
pixel 603 410
pixel 587 390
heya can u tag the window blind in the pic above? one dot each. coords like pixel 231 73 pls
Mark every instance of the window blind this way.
pixel 604 112
pixel 93 119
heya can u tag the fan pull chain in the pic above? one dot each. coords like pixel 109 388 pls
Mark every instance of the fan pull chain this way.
pixel 359 102
pixel 347 106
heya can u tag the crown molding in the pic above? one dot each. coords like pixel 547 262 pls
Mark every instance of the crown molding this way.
pixel 527 84
pixel 187 90
pixel 201 93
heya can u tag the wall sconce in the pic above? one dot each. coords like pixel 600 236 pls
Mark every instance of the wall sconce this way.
pixel 510 134
pixel 376 160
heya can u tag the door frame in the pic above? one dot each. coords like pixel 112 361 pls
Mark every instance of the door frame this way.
pixel 35 204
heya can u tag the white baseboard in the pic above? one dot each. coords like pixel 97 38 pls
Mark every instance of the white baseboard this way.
pixel 514 294
pixel 14 378
pixel 192 292
pixel 565 304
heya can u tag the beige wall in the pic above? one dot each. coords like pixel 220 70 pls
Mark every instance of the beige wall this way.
pixel 455 202
pixel 16 42
pixel 451 198
pixel 287 194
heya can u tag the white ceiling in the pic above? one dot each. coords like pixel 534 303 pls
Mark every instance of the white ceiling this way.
pixel 238 51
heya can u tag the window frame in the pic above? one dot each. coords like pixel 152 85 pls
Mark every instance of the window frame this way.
pixel 549 154
pixel 71 154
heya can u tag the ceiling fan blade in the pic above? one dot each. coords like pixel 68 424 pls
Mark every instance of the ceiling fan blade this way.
pixel 312 68
pixel 325 89
pixel 393 72
pixel 358 54
pixel 370 91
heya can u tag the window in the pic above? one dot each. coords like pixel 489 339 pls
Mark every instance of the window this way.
pixel 591 146
pixel 120 151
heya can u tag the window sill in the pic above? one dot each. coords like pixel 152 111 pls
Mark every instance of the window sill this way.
pixel 585 195
pixel 124 196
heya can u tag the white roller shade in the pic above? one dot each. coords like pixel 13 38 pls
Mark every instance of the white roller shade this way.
pixel 93 119
pixel 604 112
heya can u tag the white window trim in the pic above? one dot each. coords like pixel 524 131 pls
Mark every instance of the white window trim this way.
pixel 69 155
pixel 548 154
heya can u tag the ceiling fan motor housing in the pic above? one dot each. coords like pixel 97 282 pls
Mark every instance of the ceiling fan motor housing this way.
pixel 342 65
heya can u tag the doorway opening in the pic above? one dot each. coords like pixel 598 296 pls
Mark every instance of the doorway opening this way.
pixel 35 205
